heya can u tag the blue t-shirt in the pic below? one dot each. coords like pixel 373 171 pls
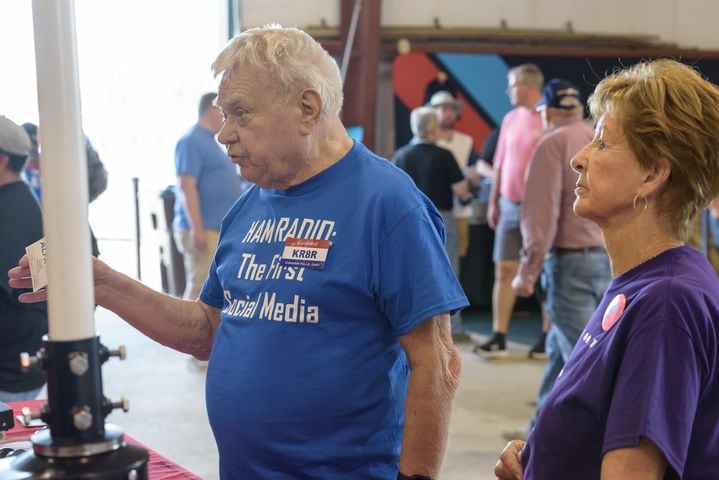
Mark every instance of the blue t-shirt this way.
pixel 645 366
pixel 218 185
pixel 307 378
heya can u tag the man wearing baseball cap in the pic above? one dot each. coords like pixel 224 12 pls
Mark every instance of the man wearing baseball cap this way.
pixel 569 248
pixel 22 325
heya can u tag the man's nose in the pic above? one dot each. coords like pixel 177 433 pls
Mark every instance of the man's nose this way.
pixel 225 134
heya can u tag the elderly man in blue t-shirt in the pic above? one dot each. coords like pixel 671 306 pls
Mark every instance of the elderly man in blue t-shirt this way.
pixel 325 314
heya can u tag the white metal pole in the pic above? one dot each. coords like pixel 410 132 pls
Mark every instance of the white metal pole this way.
pixel 63 171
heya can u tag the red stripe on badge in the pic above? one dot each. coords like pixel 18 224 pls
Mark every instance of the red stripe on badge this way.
pixel 305 242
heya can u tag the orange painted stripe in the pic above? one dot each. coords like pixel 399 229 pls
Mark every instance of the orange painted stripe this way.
pixel 410 75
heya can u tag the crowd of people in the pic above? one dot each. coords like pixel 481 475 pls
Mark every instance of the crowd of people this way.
pixel 325 292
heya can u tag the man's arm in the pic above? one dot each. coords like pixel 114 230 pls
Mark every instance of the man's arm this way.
pixel 191 201
pixel 493 211
pixel 478 170
pixel 643 462
pixel 435 366
pixel 461 189
pixel 187 326
pixel 539 214
pixel 483 169
pixel 459 183
pixel 493 205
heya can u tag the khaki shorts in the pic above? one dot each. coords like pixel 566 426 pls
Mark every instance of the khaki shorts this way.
pixel 197 264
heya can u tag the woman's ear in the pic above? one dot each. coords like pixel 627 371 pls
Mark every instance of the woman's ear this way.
pixel 657 176
pixel 311 110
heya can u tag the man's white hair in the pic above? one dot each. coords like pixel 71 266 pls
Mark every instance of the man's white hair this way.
pixel 292 56
pixel 423 120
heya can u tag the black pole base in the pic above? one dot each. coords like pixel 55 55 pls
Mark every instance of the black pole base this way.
pixel 126 463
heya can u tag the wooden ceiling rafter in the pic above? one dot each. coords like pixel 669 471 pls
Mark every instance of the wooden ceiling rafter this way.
pixel 395 40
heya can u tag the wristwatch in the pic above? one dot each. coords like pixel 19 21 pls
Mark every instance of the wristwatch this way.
pixel 402 476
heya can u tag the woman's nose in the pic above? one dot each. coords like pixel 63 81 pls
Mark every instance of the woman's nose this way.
pixel 578 161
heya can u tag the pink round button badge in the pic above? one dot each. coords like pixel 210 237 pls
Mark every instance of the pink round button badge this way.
pixel 614 312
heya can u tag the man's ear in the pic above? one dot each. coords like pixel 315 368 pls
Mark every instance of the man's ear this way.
pixel 4 160
pixel 657 176
pixel 311 110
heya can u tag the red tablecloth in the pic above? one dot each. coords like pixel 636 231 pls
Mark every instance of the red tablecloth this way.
pixel 158 467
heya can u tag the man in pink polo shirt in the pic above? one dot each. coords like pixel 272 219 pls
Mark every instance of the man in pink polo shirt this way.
pixel 520 131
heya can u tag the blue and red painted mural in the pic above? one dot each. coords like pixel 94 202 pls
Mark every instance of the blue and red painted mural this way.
pixel 481 82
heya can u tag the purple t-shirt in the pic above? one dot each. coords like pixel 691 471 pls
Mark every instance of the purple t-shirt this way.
pixel 647 369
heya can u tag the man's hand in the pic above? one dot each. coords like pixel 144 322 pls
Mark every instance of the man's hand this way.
pixel 19 277
pixel 493 215
pixel 199 240
pixel 509 466
pixel 524 287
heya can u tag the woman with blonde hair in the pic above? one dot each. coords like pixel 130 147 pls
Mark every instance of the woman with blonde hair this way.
pixel 639 396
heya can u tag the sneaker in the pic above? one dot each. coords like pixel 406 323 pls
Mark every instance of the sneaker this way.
pixel 537 352
pixel 461 337
pixel 494 347
pixel 518 434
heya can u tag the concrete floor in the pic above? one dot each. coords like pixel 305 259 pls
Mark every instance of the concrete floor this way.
pixel 167 410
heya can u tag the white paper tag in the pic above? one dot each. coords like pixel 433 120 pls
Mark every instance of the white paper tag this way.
pixel 36 253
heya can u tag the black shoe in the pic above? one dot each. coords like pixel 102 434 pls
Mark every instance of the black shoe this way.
pixel 494 347
pixel 538 351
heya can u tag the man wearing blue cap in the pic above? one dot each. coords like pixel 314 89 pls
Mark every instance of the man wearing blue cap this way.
pixel 570 248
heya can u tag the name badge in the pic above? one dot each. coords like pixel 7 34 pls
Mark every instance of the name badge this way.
pixel 302 252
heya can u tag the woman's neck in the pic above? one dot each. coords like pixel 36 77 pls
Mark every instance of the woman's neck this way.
pixel 632 245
